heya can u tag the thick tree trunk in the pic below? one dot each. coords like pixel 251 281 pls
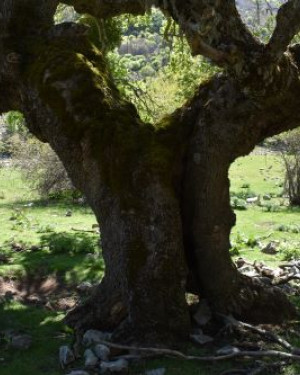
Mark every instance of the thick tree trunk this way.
pixel 160 192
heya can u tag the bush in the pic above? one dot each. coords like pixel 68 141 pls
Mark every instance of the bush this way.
pixel 238 204
pixel 245 193
pixel 290 252
pixel 73 243
pixel 40 166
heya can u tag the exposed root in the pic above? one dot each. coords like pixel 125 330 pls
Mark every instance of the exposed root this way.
pixel 103 310
pixel 258 303
pixel 234 354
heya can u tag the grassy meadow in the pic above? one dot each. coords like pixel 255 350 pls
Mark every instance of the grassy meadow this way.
pixel 49 247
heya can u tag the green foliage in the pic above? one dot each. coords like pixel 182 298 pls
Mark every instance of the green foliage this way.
pixel 290 251
pixel 153 53
pixel 289 228
pixel 238 204
pixel 20 220
pixel 244 194
pixel 104 34
pixel 43 169
pixel 69 243
pixel 15 123
pixel 271 207
pixel 13 128
pixel 241 242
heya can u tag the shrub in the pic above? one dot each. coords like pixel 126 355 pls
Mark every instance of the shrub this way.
pixel 290 252
pixel 240 242
pixel 40 166
pixel 238 204
pixel 245 193
pixel 73 243
pixel 289 228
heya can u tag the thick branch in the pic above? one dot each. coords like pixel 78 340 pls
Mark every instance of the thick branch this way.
pixel 287 26
pixel 108 8
pixel 213 29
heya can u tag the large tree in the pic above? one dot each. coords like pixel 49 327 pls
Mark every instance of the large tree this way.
pixel 159 191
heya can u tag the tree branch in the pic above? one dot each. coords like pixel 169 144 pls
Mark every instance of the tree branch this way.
pixel 109 8
pixel 287 26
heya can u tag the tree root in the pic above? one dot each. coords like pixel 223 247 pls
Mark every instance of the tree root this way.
pixel 270 336
pixel 105 309
pixel 177 354
pixel 257 303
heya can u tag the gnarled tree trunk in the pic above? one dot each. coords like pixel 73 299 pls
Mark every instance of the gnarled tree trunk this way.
pixel 160 192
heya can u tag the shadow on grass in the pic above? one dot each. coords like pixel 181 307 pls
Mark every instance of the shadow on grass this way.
pixel 48 334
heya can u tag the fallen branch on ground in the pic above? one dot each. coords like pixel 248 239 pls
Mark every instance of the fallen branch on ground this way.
pixel 180 355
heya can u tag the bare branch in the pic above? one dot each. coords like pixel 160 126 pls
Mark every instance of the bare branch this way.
pixel 180 355
pixel 287 26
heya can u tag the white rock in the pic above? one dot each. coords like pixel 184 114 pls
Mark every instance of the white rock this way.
pixel 157 371
pixel 114 366
pixel 66 356
pixel 226 350
pixel 271 248
pixel 252 200
pixel 248 271
pixel 90 359
pixel 203 314
pixel 200 338
pixel 93 336
pixel 21 341
pixel 102 352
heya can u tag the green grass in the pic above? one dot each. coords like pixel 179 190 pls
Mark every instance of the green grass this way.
pixel 263 175
pixel 48 334
pixel 25 219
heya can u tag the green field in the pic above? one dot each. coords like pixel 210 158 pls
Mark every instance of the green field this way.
pixel 29 224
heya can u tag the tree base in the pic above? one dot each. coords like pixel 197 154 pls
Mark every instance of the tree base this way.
pixel 255 303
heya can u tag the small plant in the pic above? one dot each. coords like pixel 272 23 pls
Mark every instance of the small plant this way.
pixel 21 221
pixel 69 243
pixel 246 185
pixel 270 207
pixel 244 194
pixel 240 242
pixel 289 228
pixel 290 252
pixel 238 204
pixel 45 229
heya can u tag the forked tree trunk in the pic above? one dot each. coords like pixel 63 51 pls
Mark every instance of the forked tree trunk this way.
pixel 160 192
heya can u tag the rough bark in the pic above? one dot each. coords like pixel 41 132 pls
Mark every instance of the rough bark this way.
pixel 217 140
pixel 160 192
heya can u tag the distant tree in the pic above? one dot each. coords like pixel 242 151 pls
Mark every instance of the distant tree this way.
pixel 160 191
